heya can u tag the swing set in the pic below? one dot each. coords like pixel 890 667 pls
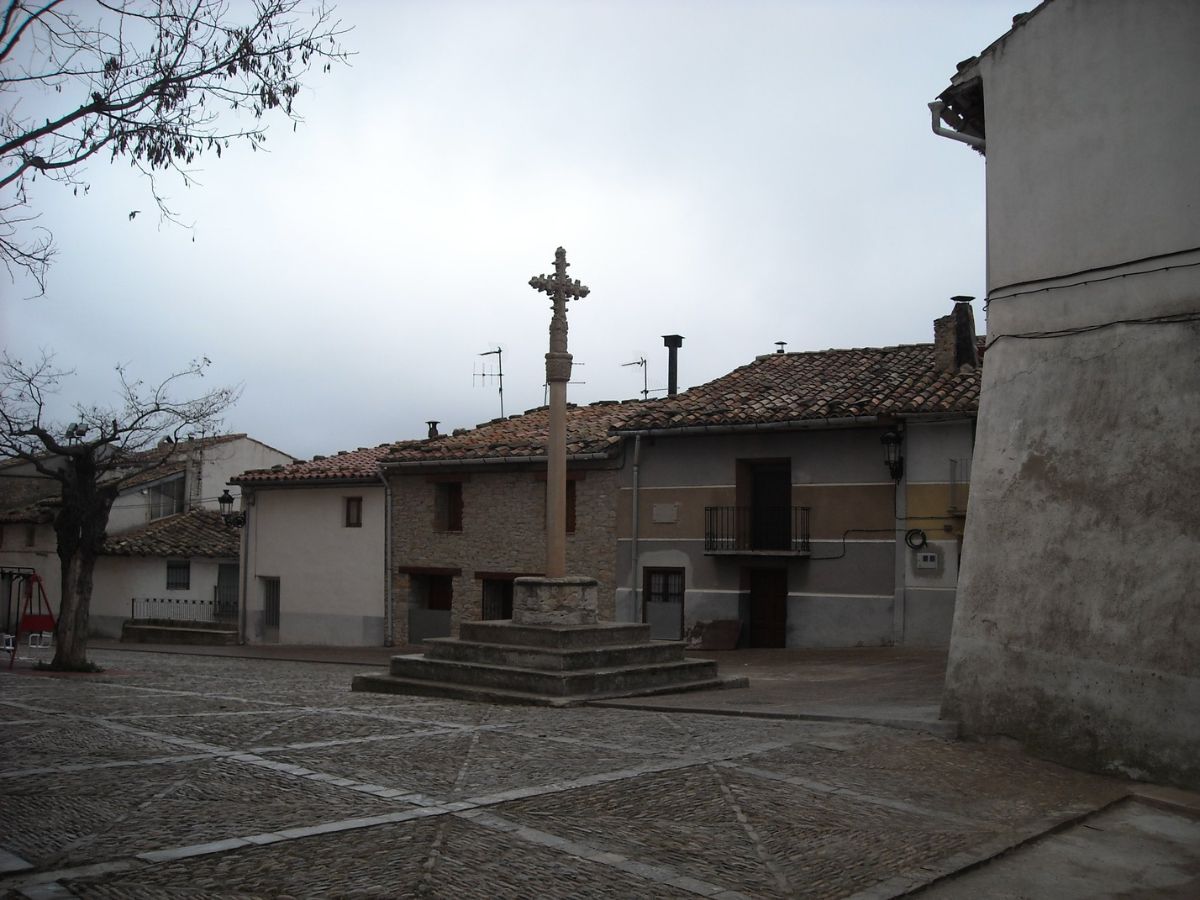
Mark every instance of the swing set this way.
pixel 35 616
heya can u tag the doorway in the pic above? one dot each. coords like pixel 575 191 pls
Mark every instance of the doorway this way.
pixel 225 594
pixel 771 505
pixel 662 603
pixel 270 596
pixel 767 607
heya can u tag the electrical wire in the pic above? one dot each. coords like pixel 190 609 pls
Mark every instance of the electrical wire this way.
pixel 1169 319
pixel 1132 262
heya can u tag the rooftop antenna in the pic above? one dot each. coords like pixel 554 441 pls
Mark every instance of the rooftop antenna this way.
pixel 640 361
pixel 484 375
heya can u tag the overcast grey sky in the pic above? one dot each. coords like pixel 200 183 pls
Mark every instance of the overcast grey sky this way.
pixel 736 172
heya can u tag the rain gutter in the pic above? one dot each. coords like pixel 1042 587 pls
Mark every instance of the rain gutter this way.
pixel 789 425
pixel 490 460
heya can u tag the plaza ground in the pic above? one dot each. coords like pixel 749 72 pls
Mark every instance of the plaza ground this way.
pixel 174 774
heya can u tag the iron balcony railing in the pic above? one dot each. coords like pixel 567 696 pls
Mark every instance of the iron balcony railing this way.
pixel 182 609
pixel 756 529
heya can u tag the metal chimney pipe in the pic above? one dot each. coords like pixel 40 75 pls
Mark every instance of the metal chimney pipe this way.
pixel 672 342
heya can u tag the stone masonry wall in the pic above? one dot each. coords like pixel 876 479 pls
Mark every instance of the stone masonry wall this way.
pixel 504 530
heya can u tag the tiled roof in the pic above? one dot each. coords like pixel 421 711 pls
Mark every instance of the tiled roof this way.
pixel 827 384
pixel 41 512
pixel 349 465
pixel 588 432
pixel 198 533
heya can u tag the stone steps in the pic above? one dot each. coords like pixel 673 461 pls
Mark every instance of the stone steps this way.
pixel 552 659
pixel 554 682
pixel 391 684
pixel 562 637
pixel 178 634
pixel 553 652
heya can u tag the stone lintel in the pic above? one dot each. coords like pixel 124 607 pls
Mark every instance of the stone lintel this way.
pixel 563 600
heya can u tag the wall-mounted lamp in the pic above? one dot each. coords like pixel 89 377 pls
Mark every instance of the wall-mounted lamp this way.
pixel 892 457
pixel 225 501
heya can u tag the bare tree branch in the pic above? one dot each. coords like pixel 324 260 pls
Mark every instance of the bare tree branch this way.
pixel 148 80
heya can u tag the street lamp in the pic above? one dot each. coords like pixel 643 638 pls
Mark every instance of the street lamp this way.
pixel 892 457
pixel 235 519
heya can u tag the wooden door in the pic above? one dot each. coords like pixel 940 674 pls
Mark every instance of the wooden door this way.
pixel 768 607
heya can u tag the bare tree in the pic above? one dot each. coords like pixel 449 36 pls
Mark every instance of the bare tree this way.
pixel 159 82
pixel 92 459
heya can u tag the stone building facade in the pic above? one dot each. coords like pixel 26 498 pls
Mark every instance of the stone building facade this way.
pixel 468 516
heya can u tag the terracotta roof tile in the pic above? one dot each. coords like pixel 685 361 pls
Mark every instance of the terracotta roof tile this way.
pixel 348 465
pixel 826 384
pixel 589 431
pixel 198 533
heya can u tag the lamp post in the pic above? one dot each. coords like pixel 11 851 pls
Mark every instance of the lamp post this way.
pixel 225 502
pixel 892 456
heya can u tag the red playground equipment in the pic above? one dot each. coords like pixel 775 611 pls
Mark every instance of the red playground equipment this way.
pixel 35 616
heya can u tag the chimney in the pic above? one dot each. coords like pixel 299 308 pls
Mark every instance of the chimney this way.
pixel 433 424
pixel 954 343
pixel 672 342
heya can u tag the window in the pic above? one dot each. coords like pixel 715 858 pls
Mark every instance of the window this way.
pixel 448 506
pixel 179 574
pixel 30 535
pixel 439 592
pixel 664 585
pixel 354 512
pixel 166 499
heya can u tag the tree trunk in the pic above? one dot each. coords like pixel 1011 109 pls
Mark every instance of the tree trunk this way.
pixel 72 633
pixel 80 527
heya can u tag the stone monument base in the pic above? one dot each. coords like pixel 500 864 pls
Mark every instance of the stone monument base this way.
pixel 551 653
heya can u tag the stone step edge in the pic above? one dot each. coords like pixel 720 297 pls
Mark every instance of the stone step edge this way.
pixel 551 651
pixel 599 670
pixel 428 687
pixel 557 636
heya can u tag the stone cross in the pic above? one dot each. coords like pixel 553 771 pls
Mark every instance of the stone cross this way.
pixel 560 288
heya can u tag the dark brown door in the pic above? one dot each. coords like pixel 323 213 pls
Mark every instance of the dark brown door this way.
pixel 768 607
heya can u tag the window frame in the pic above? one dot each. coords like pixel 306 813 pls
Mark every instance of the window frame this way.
pixel 156 495
pixel 448 506
pixel 175 567
pixel 352 512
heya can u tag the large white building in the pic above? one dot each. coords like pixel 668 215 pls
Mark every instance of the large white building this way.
pixel 1077 628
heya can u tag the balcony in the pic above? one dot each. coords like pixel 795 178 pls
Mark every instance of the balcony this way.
pixel 756 530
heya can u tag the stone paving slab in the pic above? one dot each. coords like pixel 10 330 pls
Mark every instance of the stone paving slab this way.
pixel 206 776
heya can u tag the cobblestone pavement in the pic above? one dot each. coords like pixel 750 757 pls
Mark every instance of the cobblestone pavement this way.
pixel 186 776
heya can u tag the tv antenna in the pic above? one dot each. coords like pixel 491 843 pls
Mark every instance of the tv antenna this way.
pixel 640 361
pixel 484 376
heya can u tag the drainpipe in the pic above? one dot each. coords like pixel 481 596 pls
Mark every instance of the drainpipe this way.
pixel 245 598
pixel 935 110
pixel 637 455
pixel 899 591
pixel 389 623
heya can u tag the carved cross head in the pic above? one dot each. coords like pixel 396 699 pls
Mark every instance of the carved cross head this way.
pixel 558 286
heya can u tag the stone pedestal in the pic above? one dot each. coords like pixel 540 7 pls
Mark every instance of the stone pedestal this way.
pixel 569 600
pixel 547 665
